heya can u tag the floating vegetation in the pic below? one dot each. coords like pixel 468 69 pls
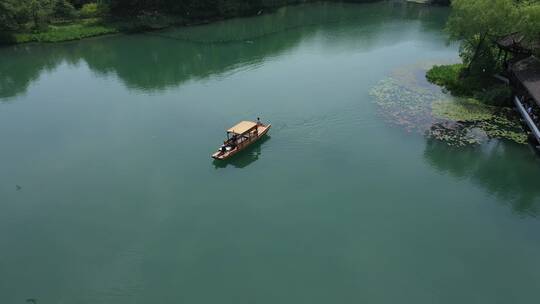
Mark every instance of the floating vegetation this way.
pixel 462 109
pixel 407 99
pixel 456 134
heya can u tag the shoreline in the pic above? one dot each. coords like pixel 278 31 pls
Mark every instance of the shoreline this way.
pixel 98 27
pixel 108 26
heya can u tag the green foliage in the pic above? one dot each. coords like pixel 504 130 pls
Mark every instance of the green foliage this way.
pixel 476 23
pixel 93 9
pixel 474 120
pixel 462 109
pixel 406 101
pixel 40 18
pixel 201 9
pixel 529 19
pixel 479 18
pixel 450 77
pixel 35 16
pixel 63 9
pixel 484 89
pixel 8 15
pixel 79 3
pixel 75 31
pixel 496 95
pixel 40 12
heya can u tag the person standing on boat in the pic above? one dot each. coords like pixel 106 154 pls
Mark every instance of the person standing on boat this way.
pixel 232 143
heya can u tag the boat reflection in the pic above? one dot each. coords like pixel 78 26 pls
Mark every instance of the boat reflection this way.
pixel 502 168
pixel 244 158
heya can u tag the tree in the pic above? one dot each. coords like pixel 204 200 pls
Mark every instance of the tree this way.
pixel 39 11
pixel 8 13
pixel 79 3
pixel 529 19
pixel 476 23
pixel 64 10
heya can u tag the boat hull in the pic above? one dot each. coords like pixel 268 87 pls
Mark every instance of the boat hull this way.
pixel 261 131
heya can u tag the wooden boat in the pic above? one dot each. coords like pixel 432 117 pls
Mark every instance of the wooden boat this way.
pixel 240 137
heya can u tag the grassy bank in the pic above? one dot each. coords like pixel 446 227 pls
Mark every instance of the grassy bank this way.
pixel 484 88
pixel 100 19
pixel 65 32
pixel 65 20
pixel 85 28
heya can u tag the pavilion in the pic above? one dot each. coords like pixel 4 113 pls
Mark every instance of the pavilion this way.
pixel 523 71
pixel 525 80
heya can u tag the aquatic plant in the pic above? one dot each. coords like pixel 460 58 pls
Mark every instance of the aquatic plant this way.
pixel 485 89
pixel 408 100
pixel 448 76
pixel 462 109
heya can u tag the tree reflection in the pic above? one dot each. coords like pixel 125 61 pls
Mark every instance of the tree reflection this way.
pixel 159 60
pixel 22 65
pixel 502 168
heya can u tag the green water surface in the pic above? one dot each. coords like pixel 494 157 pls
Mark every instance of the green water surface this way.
pixel 108 193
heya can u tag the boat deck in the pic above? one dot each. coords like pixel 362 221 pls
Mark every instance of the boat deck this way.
pixel 240 145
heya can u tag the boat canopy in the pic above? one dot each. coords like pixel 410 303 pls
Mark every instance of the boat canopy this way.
pixel 242 127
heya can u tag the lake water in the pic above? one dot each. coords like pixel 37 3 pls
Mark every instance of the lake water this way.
pixel 108 193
